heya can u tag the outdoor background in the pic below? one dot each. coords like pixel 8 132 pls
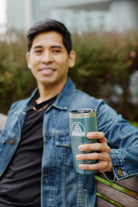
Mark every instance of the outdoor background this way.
pixel 105 37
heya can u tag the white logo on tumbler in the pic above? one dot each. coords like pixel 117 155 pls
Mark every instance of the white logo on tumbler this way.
pixel 78 129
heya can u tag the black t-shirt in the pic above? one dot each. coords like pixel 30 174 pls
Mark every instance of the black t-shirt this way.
pixel 20 184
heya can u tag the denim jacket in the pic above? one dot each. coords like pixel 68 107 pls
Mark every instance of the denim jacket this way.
pixel 60 185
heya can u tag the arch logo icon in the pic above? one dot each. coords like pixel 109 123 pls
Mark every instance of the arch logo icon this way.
pixel 78 129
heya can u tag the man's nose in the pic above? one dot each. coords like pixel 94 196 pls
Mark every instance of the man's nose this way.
pixel 47 57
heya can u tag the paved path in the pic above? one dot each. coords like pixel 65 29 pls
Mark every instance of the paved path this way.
pixel 3 119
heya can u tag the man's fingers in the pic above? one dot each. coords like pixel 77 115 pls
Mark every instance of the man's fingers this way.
pixel 95 147
pixel 93 156
pixel 100 166
pixel 95 135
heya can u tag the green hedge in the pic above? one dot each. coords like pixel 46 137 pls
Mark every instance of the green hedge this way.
pixel 16 81
pixel 103 59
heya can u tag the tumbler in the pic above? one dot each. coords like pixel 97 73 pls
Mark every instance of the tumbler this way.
pixel 81 122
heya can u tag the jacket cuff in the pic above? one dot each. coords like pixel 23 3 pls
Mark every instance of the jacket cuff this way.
pixel 119 170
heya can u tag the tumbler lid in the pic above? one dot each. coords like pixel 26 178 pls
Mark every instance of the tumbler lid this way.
pixel 82 113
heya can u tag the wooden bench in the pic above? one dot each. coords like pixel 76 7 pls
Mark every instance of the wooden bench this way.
pixel 3 119
pixel 123 193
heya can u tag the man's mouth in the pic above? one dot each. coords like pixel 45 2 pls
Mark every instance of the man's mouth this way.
pixel 47 71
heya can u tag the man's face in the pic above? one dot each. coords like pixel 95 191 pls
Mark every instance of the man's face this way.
pixel 48 59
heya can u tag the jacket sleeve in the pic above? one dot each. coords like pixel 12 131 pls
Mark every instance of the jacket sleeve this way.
pixel 123 141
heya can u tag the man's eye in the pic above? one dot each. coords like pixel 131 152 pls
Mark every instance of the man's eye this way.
pixel 38 51
pixel 56 51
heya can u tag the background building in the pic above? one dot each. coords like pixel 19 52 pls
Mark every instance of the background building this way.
pixel 19 14
pixel 2 16
pixel 78 15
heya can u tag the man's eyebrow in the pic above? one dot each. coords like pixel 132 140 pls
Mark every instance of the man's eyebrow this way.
pixel 56 46
pixel 37 46
pixel 52 46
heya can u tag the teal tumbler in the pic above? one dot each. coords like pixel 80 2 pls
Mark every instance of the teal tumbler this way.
pixel 81 122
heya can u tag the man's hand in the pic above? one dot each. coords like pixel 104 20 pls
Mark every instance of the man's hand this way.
pixel 102 153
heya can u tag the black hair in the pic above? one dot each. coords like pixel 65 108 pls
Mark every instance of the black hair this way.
pixel 47 26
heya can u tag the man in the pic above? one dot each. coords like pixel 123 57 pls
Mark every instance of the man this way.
pixel 35 151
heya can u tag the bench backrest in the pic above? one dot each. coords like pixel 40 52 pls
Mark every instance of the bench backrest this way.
pixel 123 193
pixel 3 119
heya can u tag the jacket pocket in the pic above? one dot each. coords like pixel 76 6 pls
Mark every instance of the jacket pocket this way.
pixel 7 137
pixel 7 149
pixel 63 146
pixel 3 137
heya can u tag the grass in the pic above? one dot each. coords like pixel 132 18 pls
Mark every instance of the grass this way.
pixel 135 124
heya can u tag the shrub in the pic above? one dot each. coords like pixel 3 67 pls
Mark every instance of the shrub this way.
pixel 103 60
pixel 16 81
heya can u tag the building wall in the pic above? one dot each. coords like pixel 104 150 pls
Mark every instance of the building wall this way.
pixel 118 15
pixel 124 14
pixel 2 16
pixel 40 10
pixel 15 10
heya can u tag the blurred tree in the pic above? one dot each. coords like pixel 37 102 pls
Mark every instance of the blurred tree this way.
pixel 104 65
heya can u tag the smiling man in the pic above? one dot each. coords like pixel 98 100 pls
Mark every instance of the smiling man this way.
pixel 36 167
pixel 49 62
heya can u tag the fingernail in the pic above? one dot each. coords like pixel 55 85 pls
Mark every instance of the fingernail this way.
pixel 81 166
pixel 78 157
pixel 81 147
pixel 89 135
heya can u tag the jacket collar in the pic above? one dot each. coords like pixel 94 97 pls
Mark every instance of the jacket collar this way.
pixel 64 98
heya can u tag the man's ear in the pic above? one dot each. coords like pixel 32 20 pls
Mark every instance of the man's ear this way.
pixel 28 59
pixel 72 58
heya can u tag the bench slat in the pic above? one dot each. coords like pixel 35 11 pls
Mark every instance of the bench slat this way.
pixel 3 119
pixel 130 183
pixel 117 196
pixel 103 203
